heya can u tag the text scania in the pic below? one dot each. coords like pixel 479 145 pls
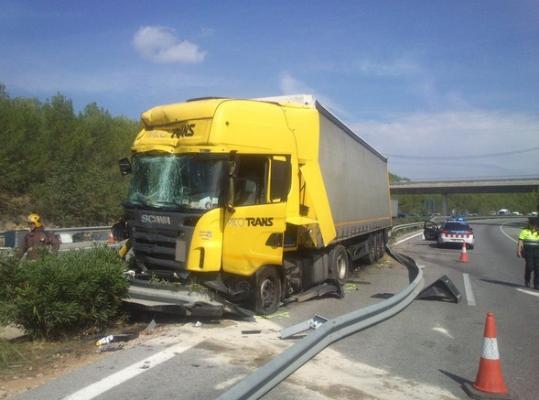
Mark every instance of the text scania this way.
pixel 155 219
pixel 251 221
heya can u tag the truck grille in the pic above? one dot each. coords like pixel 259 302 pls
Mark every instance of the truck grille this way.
pixel 155 248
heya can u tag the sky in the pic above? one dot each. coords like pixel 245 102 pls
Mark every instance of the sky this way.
pixel 444 89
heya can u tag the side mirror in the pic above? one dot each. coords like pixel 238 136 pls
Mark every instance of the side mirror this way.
pixel 125 166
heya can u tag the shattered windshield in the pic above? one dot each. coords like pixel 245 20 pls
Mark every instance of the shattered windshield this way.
pixel 176 181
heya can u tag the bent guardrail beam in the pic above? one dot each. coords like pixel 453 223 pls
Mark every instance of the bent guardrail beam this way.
pixel 268 376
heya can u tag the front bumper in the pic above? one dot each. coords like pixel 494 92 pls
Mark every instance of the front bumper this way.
pixel 180 300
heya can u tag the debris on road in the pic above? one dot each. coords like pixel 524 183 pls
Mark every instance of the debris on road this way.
pixel 350 287
pixel 358 281
pixel 120 337
pixel 150 328
pixel 251 331
pixel 105 340
pixel 110 347
pixel 284 314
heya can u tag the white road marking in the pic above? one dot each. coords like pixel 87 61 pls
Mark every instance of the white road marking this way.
pixel 443 331
pixel 506 235
pixel 530 292
pixel 99 387
pixel 408 238
pixel 470 298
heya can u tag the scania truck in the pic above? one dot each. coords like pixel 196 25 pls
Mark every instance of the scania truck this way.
pixel 257 199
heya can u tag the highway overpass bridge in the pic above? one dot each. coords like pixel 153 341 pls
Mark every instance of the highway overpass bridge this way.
pixel 513 185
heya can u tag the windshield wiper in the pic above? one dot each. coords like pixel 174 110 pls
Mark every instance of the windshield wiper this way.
pixel 172 205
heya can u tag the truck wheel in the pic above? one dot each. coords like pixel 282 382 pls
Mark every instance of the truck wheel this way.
pixel 380 248
pixel 339 264
pixel 371 249
pixel 268 291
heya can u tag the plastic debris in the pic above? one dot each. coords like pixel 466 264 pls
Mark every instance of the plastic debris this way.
pixel 120 337
pixel 198 324
pixel 105 340
pixel 150 328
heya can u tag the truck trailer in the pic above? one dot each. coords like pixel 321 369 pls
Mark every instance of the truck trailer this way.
pixel 256 199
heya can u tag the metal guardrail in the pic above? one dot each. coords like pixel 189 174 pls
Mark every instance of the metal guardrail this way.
pixel 402 227
pixel 280 367
pixel 72 238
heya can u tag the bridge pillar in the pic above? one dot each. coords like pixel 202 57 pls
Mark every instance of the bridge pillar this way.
pixel 445 207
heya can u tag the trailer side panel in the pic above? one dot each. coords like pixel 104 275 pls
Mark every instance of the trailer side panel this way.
pixel 356 181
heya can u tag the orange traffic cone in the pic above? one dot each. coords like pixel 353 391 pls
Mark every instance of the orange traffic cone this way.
pixel 463 254
pixel 489 383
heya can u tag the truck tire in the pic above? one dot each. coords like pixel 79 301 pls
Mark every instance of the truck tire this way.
pixel 371 249
pixel 339 264
pixel 267 291
pixel 380 248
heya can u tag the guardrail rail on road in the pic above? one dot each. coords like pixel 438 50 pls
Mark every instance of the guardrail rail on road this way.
pixel 270 375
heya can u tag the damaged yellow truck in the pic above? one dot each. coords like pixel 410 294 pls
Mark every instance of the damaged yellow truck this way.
pixel 256 199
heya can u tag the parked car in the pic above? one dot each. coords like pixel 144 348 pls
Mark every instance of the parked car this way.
pixel 503 211
pixel 456 232
pixel 430 230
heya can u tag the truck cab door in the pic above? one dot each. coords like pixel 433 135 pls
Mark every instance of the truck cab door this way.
pixel 430 230
pixel 254 227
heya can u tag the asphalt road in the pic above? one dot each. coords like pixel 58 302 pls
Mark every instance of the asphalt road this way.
pixel 425 352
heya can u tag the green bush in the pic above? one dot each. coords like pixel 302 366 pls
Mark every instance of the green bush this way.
pixel 62 294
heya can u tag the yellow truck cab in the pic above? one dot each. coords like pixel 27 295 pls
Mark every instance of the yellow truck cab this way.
pixel 256 199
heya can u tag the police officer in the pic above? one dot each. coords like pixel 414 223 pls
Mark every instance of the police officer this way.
pixel 528 247
pixel 36 240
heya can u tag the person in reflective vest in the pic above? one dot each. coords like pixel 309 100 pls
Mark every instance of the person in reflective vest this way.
pixel 528 247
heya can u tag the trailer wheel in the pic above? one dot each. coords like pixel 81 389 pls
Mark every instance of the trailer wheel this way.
pixel 371 249
pixel 340 264
pixel 380 248
pixel 267 291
